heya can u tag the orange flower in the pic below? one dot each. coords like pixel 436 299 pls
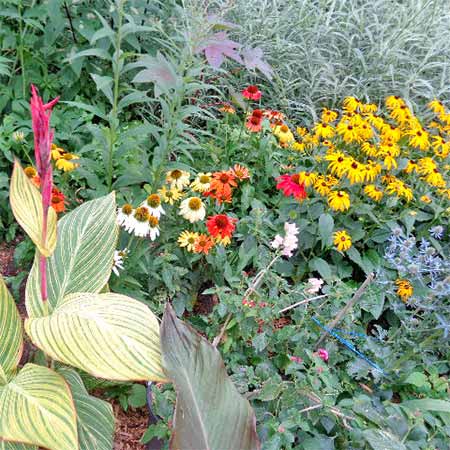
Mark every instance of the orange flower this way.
pixel 227 108
pixel 240 172
pixel 223 181
pixel 203 244
pixel 58 200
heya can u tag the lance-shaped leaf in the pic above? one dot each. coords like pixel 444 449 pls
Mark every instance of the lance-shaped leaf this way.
pixel 37 408
pixel 107 335
pixel 5 445
pixel 210 414
pixel 26 204
pixel 11 339
pixel 83 258
pixel 95 418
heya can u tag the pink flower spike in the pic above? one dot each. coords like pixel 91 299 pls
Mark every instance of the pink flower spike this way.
pixel 323 354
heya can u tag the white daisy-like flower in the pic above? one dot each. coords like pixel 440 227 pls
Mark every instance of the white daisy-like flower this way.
pixel 125 216
pixel 153 204
pixel 119 256
pixel 192 209
pixel 154 227
pixel 202 183
pixel 140 226
pixel 178 178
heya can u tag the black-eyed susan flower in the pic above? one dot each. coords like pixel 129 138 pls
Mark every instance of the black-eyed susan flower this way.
pixel 355 172
pixel 298 147
pixel 351 104
pixel 399 188
pixel 411 167
pixel 348 132
pixel 419 138
pixel 373 192
pixel 322 186
pixel 394 101
pixel 202 182
pixel 192 209
pixel 324 130
pixel 65 163
pixel 307 178
pixel 328 115
pixel 435 178
pixel 339 200
pixel 436 106
pixel 425 199
pixel 404 289
pixel 342 240
pixel 178 178
pixel 187 240
pixel 170 195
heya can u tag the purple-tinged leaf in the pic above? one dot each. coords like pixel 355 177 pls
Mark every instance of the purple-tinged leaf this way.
pixel 253 59
pixel 217 47
pixel 210 414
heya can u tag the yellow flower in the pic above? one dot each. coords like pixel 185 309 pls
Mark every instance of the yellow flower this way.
pixel 351 104
pixel 441 147
pixel 426 165
pixel 419 138
pixel 178 178
pixel 307 178
pixel 65 162
pixel 328 115
pixel 373 192
pixel 202 182
pixel 355 172
pixel 390 133
pixel 170 195
pixel 339 200
pixel 284 134
pixel 298 146
pixel 349 132
pixel 435 178
pixel 376 121
pixel 324 130
pixel 338 163
pixel 222 241
pixel 342 240
pixel 30 172
pixel 393 101
pixel 412 166
pixel 436 106
pixel 397 187
pixel 187 239
pixel 404 289
pixel 56 152
pixel 425 199
pixel 322 186
pixel 368 108
pixel 371 170
pixel 369 149
pixel 302 131
pixel 401 114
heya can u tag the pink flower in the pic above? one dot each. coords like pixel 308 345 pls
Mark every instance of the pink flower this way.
pixel 252 93
pixel 314 285
pixel 291 186
pixel 296 359
pixel 323 354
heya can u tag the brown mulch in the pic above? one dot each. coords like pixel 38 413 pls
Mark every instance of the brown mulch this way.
pixel 130 426
pixel 7 268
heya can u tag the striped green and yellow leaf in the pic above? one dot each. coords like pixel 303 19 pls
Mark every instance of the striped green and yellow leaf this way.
pixel 37 408
pixel 95 418
pixel 5 445
pixel 26 204
pixel 11 338
pixel 83 257
pixel 107 335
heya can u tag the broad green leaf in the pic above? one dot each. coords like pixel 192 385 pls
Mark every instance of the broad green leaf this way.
pixel 210 414
pixel 5 445
pixel 321 266
pixel 37 408
pixel 83 258
pixel 26 204
pixel 418 379
pixel 11 338
pixel 95 418
pixel 107 335
pixel 382 440
pixel 427 404
pixel 326 225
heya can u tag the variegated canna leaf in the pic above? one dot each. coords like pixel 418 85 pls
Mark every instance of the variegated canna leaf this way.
pixel 107 335
pixel 83 257
pixel 5 445
pixel 26 204
pixel 95 418
pixel 36 407
pixel 11 338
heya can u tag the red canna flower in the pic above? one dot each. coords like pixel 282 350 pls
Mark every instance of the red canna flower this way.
pixel 221 225
pixel 252 93
pixel 291 186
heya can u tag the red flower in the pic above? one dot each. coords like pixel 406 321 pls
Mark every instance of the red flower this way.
pixel 254 124
pixel 58 200
pixel 252 93
pixel 291 186
pixel 221 225
pixel 257 113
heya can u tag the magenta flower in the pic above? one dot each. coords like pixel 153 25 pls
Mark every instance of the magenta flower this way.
pixel 43 136
pixel 323 354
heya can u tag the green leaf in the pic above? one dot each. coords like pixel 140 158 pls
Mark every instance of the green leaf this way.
pixel 427 404
pixel 83 257
pixel 5 445
pixel 95 418
pixel 138 396
pixel 321 266
pixel 326 225
pixel 26 204
pixel 383 440
pixel 10 335
pixel 37 408
pixel 373 300
pixel 209 413
pixel 418 379
pixel 107 335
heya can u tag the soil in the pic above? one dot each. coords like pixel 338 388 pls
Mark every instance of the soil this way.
pixel 130 425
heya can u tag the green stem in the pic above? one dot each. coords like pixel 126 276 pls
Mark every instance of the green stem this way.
pixel 22 60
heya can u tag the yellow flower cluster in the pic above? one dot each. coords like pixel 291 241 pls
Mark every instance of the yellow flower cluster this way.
pixel 389 154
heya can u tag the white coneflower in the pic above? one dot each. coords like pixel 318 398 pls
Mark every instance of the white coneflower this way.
pixel 154 228
pixel 140 226
pixel 125 217
pixel 202 182
pixel 178 178
pixel 192 209
pixel 119 256
pixel 153 204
